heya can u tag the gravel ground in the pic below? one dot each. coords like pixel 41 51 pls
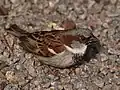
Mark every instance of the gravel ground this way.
pixel 22 71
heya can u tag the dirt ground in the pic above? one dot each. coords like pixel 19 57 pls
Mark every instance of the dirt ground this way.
pixel 20 70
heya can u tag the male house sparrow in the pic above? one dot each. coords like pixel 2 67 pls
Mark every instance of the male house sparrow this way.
pixel 59 48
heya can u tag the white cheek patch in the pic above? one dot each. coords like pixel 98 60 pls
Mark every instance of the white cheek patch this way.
pixel 81 50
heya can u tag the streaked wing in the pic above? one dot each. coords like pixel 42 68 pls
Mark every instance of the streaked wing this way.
pixel 47 43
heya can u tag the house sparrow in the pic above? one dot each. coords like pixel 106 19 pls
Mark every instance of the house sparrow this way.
pixel 59 48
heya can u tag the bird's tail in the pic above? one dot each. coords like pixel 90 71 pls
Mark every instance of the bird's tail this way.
pixel 16 31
